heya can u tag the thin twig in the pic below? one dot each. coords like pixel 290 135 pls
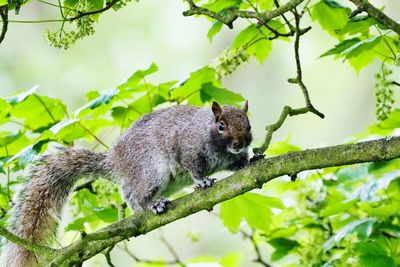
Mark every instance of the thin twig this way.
pixel 299 78
pixel 287 111
pixel 108 256
pixel 284 17
pixel 171 249
pixel 137 259
pixel 253 241
pixel 4 19
pixel 101 10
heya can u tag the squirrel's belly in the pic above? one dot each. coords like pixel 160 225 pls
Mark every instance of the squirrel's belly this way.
pixel 179 179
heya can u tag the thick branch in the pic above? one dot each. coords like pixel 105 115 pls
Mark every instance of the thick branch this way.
pixel 364 5
pixel 228 16
pixel 242 181
pixel 47 252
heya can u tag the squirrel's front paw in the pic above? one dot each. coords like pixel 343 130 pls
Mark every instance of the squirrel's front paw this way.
pixel 257 157
pixel 206 182
pixel 160 206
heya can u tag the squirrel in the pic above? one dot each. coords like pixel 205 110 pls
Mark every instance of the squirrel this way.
pixel 159 154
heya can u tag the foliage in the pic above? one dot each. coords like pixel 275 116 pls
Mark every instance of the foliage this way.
pixel 339 216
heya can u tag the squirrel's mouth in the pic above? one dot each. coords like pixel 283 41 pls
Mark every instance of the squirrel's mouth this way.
pixel 235 150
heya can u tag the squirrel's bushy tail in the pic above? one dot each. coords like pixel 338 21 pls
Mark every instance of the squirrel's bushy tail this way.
pixel 38 206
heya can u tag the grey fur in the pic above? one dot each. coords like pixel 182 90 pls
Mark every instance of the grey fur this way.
pixel 160 153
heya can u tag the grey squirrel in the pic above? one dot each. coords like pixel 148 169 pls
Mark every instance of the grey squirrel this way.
pixel 159 154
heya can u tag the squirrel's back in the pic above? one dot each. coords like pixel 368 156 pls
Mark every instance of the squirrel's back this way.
pixel 157 133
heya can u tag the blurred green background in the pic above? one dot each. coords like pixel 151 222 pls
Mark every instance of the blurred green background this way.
pixel 155 31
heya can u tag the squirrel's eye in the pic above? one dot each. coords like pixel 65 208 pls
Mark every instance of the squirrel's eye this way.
pixel 221 126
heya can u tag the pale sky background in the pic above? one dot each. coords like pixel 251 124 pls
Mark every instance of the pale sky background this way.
pixel 155 31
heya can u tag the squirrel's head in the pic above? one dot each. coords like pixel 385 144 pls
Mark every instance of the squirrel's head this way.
pixel 231 128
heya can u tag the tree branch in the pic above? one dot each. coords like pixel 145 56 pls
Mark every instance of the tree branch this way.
pixel 4 19
pixel 287 111
pixel 101 10
pixel 254 176
pixel 299 78
pixel 27 244
pixel 364 5
pixel 252 239
pixel 229 15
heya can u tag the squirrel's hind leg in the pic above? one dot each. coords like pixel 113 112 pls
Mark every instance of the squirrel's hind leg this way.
pixel 144 192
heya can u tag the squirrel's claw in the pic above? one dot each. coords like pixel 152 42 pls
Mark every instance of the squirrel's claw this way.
pixel 160 206
pixel 206 182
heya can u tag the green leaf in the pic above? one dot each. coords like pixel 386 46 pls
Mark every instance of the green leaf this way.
pixel 3 2
pixel 363 228
pixel 362 60
pixel 230 216
pixel 265 4
pixel 70 3
pixel 108 214
pixel 96 4
pixel 254 208
pixel 104 98
pixel 260 46
pixel 38 112
pixel 246 36
pixel 371 254
pixel 27 154
pixel 353 173
pixel 71 129
pixel 215 28
pixel 338 208
pixel 282 247
pixel 340 47
pixel 5 108
pixel 124 116
pixel 15 143
pixel 231 260
pixel 362 46
pixel 13 100
pixel 391 229
pixel 7 138
pixel 331 16
pixel 260 50
pixel 79 224
pixel 282 147
pixel 356 25
pixel 221 95
pixel 192 85
pixel 138 76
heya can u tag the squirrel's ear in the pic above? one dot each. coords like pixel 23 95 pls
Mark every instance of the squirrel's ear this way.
pixel 246 106
pixel 216 109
